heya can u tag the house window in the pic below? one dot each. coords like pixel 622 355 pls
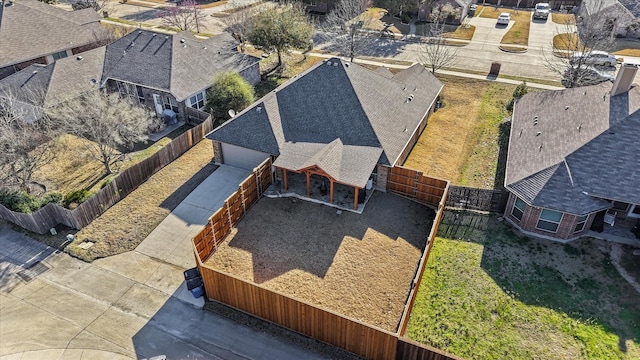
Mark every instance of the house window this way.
pixel 131 92
pixel 170 103
pixel 59 55
pixel 620 206
pixel 582 220
pixel 549 220
pixel 518 208
pixel 197 101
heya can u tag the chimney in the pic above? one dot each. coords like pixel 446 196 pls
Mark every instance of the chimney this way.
pixel 625 77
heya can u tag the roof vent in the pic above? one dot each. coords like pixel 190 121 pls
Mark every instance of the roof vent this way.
pixel 520 135
pixel 79 58
pixel 410 97
pixel 35 72
pixel 540 147
pixel 154 35
pixel 259 108
pixel 9 3
pixel 204 48
pixel 415 88
pixel 346 64
pixel 181 41
pixel 538 133
pixel 579 127
pixel 566 107
pixel 335 64
pixel 329 63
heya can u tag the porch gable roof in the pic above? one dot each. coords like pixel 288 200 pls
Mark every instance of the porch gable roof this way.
pixel 346 164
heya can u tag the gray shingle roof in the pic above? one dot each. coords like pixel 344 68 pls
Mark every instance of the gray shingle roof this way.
pixel 30 29
pixel 362 109
pixel 569 145
pixel 66 78
pixel 180 64
pixel 351 165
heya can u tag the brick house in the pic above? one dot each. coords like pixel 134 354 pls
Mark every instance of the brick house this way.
pixel 619 17
pixel 32 32
pixel 337 122
pixel 461 8
pixel 572 162
pixel 160 71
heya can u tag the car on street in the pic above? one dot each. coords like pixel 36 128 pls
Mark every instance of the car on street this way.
pixel 583 75
pixel 594 57
pixel 542 11
pixel 504 19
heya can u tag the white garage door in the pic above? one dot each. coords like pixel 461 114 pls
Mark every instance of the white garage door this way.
pixel 242 158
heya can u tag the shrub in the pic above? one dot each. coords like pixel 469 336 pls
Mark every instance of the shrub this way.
pixel 520 90
pixel 76 197
pixel 20 201
pixel 405 19
pixel 106 182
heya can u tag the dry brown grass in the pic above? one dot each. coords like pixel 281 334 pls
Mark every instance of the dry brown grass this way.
pixel 568 19
pixel 460 142
pixel 518 34
pixel 461 33
pixel 127 223
pixel 628 52
pixel 360 266
pixel 566 41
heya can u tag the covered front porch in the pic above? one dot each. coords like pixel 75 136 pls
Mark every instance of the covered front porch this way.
pixel 316 186
pixel 624 231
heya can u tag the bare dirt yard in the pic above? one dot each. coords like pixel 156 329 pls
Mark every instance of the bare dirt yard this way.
pixel 360 266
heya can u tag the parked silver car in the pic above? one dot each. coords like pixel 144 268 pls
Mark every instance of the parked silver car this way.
pixel 583 75
pixel 594 57
pixel 541 11
pixel 504 18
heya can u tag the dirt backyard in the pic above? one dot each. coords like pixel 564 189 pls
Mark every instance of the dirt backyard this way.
pixel 360 266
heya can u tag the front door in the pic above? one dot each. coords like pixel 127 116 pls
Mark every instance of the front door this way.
pixel 157 100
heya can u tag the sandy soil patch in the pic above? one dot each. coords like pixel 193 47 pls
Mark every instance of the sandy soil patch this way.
pixel 360 266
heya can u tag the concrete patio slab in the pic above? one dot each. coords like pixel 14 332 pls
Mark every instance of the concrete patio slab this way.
pixel 171 240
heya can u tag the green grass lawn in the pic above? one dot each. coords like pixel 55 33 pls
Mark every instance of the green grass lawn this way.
pixel 489 294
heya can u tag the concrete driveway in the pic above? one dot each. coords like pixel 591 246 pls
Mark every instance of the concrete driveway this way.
pixel 53 306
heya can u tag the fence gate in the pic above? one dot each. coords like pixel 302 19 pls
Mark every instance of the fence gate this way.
pixel 477 199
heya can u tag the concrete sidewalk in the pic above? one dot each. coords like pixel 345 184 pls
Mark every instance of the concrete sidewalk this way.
pixel 122 307
pixel 170 241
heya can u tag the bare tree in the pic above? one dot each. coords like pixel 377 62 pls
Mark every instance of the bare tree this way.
pixel 185 16
pixel 435 53
pixel 100 6
pixel 348 27
pixel 26 144
pixel 108 121
pixel 238 23
pixel 572 44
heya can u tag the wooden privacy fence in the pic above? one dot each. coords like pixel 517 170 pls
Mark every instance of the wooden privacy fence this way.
pixel 324 325
pixel 235 206
pixel 51 215
pixel 461 197
pixel 413 185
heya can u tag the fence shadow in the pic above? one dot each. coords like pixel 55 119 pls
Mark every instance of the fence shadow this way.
pixel 503 143
pixel 173 200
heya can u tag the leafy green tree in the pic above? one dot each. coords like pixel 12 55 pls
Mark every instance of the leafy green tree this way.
pixel 281 28
pixel 519 91
pixel 229 91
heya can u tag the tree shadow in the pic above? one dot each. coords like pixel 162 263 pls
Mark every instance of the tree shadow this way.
pixel 576 279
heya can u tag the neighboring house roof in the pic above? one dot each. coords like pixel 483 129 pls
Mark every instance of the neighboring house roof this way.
pixel 50 84
pixel 334 113
pixel 179 64
pixel 30 29
pixel 570 146
pixel 594 6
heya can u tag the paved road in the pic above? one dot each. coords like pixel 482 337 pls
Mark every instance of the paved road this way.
pixel 128 306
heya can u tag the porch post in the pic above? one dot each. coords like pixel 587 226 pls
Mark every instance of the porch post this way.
pixel 355 198
pixel 284 177
pixel 308 183
pixel 331 191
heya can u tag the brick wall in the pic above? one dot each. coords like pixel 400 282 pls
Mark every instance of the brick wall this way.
pixel 381 178
pixel 530 220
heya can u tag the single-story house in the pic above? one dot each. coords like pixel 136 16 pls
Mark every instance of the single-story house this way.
pixel 573 157
pixel 461 8
pixel 336 120
pixel 160 71
pixel 32 32
pixel 619 17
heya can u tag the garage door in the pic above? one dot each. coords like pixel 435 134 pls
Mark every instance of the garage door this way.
pixel 242 158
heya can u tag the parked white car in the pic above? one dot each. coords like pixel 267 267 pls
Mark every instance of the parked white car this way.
pixel 542 11
pixel 504 19
pixel 594 57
